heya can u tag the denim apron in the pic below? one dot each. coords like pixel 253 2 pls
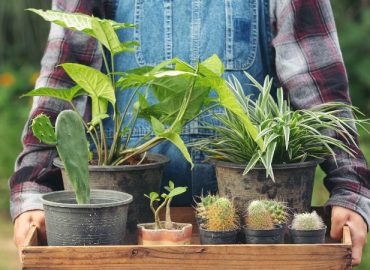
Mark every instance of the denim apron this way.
pixel 238 31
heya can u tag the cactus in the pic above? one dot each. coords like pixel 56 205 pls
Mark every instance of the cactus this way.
pixel 71 143
pixel 259 218
pixel 278 211
pixel 202 206
pixel 307 221
pixel 43 129
pixel 222 216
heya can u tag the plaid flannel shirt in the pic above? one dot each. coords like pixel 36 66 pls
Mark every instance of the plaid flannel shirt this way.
pixel 308 63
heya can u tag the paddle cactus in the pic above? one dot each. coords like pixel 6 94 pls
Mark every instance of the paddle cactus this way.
pixel 222 216
pixel 71 143
pixel 307 221
pixel 258 217
pixel 43 129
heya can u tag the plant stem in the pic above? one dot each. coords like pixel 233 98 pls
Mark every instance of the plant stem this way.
pixel 168 222
pixel 141 149
pixel 156 216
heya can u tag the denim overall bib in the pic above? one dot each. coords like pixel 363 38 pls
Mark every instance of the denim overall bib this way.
pixel 238 31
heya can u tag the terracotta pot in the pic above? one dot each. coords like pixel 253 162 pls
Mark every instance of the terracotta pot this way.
pixel 148 236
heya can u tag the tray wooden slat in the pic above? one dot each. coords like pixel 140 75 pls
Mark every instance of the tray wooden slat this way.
pixel 287 256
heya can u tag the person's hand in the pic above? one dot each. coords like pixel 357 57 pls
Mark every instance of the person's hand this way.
pixel 341 216
pixel 23 223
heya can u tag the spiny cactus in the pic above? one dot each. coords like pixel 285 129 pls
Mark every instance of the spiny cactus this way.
pixel 278 211
pixel 202 206
pixel 71 143
pixel 258 217
pixel 222 216
pixel 307 221
pixel 43 129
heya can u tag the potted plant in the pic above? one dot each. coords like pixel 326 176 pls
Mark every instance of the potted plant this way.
pixel 293 143
pixel 201 207
pixel 180 94
pixel 265 222
pixel 221 224
pixel 164 232
pixel 80 217
pixel 307 228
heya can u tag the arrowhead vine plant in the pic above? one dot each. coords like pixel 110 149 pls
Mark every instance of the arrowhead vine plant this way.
pixel 181 92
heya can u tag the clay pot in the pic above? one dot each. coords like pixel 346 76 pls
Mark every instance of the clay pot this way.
pixel 180 235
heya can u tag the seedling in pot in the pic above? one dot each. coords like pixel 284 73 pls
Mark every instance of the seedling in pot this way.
pixel 167 199
pixel 307 228
pixel 167 232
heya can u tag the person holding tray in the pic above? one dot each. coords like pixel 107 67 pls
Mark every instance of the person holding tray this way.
pixel 293 40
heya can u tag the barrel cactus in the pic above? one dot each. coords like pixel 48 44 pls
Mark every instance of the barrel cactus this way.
pixel 70 140
pixel 222 216
pixel 278 211
pixel 258 216
pixel 202 206
pixel 307 221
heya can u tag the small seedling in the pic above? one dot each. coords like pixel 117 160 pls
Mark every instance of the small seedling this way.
pixel 167 199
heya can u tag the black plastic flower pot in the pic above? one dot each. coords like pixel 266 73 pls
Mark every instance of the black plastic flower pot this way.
pixel 102 222
pixel 200 220
pixel 294 183
pixel 133 179
pixel 217 237
pixel 307 236
pixel 273 236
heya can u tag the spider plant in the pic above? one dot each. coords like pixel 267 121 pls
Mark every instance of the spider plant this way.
pixel 289 136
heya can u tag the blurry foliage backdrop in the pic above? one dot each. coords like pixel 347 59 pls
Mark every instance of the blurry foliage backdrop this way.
pixel 22 41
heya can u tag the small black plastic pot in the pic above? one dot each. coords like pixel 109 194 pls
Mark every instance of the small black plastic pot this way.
pixel 200 220
pixel 217 237
pixel 307 236
pixel 102 222
pixel 273 236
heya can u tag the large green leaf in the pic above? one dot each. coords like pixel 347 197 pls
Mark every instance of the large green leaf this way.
pixel 213 64
pixel 104 32
pixel 179 143
pixel 172 136
pixel 64 94
pixel 95 83
pixel 76 21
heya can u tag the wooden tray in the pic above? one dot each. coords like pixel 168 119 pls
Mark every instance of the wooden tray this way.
pixel 196 256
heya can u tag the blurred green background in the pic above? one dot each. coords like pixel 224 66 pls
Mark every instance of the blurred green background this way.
pixel 22 40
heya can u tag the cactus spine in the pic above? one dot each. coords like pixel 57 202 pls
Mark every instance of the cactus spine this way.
pixel 259 218
pixel 222 216
pixel 71 144
pixel 307 221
